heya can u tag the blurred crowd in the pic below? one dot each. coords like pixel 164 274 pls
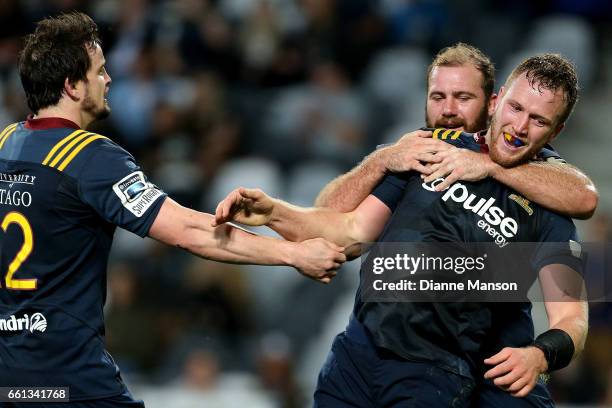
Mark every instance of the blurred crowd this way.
pixel 283 95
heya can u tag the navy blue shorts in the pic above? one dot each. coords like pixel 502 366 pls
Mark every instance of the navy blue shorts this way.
pixel 488 395
pixel 124 400
pixel 358 374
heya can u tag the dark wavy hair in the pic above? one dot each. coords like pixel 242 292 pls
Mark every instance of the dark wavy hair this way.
pixel 551 72
pixel 58 49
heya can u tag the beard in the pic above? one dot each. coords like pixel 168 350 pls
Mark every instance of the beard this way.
pixel 506 160
pixel 97 112
pixel 455 122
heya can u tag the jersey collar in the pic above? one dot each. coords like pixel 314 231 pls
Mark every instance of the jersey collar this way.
pixel 49 123
pixel 479 137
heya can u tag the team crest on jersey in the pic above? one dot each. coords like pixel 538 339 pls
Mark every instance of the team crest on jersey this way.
pixel 523 202
pixel 136 193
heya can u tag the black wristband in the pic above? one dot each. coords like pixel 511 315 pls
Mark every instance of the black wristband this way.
pixel 557 346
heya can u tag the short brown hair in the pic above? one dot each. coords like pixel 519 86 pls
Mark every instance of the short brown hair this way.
pixel 551 72
pixel 58 49
pixel 463 54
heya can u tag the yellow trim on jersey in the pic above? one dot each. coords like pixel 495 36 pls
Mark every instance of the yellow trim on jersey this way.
pixel 60 144
pixel 446 133
pixel 80 147
pixel 6 133
pixel 436 132
pixel 456 135
pixel 68 148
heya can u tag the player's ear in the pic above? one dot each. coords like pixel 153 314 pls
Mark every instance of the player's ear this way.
pixel 492 104
pixel 498 99
pixel 72 90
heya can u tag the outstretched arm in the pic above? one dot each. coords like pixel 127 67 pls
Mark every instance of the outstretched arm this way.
pixel 191 230
pixel 559 187
pixel 254 207
pixel 348 190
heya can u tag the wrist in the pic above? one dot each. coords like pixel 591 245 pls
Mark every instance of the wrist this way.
pixel 542 364
pixel 377 162
pixel 493 169
pixel 276 214
pixel 288 253
pixel 557 346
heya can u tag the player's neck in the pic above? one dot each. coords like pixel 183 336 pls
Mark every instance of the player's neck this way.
pixel 488 137
pixel 58 111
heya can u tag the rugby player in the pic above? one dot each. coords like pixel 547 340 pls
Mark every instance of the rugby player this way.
pixel 63 191
pixel 460 82
pixel 451 354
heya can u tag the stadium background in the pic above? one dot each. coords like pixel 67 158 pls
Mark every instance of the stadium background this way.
pixel 285 95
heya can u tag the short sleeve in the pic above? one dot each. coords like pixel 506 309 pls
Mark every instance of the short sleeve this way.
pixel 116 188
pixel 558 244
pixel 390 190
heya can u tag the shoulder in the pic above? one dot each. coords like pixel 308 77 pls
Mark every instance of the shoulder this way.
pixel 457 138
pixel 555 227
pixel 82 149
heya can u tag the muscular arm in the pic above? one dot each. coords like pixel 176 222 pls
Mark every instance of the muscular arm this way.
pixel 559 187
pixel 563 289
pixel 254 207
pixel 346 192
pixel 191 230
pixel 364 224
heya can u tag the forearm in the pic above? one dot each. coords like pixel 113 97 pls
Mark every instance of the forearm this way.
pixel 577 328
pixel 559 187
pixel 347 191
pixel 229 244
pixel 299 224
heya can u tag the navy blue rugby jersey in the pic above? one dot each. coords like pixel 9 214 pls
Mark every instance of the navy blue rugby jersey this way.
pixel 62 192
pixel 457 336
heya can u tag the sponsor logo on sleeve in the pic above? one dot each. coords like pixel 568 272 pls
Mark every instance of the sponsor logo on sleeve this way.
pixel 136 193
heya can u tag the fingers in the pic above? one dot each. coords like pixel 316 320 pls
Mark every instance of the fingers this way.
pixel 340 257
pixel 503 355
pixel 252 193
pixel 448 181
pixel 498 370
pixel 422 168
pixel 424 133
pixel 438 170
pixel 233 200
pixel 428 157
pixel 524 391
pixel 327 278
pixel 507 380
pixel 217 217
pixel 222 210
pixel 518 385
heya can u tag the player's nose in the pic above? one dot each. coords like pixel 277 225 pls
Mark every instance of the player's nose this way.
pixel 450 107
pixel 521 124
